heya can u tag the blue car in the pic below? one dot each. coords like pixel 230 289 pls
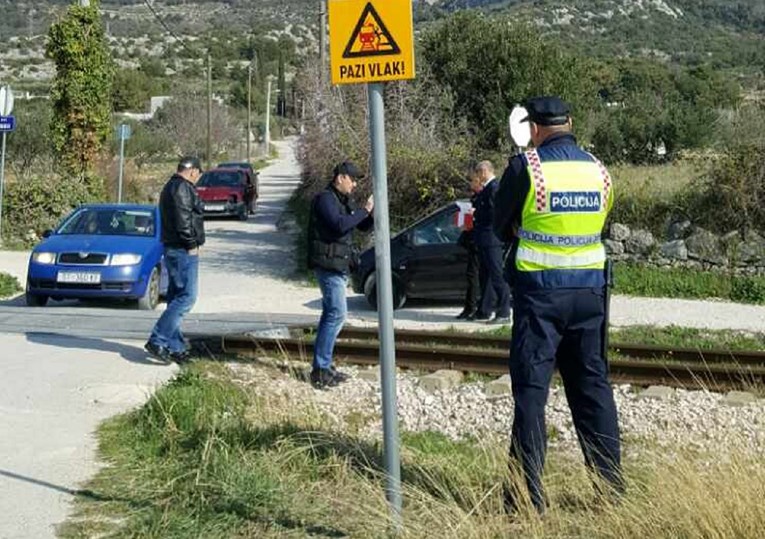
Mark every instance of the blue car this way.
pixel 100 251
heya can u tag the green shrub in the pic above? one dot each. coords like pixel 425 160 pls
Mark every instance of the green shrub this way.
pixel 8 285
pixel 748 289
pixel 732 195
pixel 37 203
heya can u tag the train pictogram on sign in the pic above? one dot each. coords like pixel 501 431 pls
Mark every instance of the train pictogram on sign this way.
pixel 370 37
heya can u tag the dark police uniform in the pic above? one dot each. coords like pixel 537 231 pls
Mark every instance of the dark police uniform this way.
pixel 554 201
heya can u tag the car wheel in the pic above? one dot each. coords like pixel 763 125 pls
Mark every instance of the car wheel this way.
pixel 370 292
pixel 150 299
pixel 36 300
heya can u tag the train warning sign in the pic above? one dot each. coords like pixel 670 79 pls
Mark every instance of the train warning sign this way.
pixel 371 40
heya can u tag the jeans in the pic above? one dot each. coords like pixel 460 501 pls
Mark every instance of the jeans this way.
pixel 182 290
pixel 333 311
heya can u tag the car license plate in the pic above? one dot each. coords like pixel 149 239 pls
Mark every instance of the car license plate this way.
pixel 87 277
pixel 215 207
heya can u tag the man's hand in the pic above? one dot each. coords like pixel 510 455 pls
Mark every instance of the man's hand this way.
pixel 370 205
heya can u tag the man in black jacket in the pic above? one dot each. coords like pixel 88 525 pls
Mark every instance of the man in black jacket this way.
pixel 183 233
pixel 472 274
pixel 333 219
pixel 495 292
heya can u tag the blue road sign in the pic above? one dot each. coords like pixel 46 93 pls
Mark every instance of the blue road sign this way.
pixel 124 132
pixel 7 124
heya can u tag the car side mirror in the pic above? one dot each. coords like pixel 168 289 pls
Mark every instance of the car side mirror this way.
pixel 47 234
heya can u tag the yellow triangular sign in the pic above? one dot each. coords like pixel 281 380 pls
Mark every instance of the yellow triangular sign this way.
pixel 370 37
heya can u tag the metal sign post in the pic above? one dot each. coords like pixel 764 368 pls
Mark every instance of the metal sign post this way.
pixel 7 123
pixel 123 133
pixel 372 41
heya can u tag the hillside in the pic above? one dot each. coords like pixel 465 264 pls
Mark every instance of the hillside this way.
pixel 726 33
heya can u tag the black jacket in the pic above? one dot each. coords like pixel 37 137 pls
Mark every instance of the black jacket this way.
pixel 483 218
pixel 333 218
pixel 182 214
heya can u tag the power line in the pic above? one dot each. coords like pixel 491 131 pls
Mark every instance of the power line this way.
pixel 167 28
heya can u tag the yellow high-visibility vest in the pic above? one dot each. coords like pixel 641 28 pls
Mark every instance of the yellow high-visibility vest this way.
pixel 563 215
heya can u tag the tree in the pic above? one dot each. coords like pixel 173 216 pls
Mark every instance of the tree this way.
pixel 82 90
pixel 30 144
pixel 491 64
pixel 132 90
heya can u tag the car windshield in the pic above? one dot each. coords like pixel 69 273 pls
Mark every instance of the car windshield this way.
pixel 109 222
pixel 220 179
pixel 442 228
pixel 235 165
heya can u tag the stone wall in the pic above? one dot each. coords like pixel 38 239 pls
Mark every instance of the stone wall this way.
pixel 689 246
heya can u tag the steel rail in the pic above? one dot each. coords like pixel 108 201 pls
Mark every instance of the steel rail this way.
pixel 696 355
pixel 673 373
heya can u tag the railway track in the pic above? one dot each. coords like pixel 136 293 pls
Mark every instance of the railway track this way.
pixel 429 351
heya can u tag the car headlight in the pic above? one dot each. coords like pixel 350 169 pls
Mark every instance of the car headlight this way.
pixel 127 259
pixel 43 257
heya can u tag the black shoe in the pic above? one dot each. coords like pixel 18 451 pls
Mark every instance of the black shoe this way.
pixel 466 314
pixel 323 378
pixel 338 375
pixel 181 358
pixel 157 352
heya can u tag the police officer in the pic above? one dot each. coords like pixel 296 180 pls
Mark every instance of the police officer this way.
pixel 333 219
pixel 554 200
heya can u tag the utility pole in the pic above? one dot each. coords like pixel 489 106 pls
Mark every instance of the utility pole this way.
pixel 268 118
pixel 322 39
pixel 249 108
pixel 209 111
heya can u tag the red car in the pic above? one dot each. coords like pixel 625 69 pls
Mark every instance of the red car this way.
pixel 228 192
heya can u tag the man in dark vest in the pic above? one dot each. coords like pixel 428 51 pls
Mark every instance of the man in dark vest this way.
pixel 333 219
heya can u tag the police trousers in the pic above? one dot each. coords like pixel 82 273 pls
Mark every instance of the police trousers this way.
pixel 562 327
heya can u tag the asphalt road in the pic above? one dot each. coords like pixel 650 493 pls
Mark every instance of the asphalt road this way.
pixel 67 367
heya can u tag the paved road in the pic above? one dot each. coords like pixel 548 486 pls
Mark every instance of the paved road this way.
pixel 69 366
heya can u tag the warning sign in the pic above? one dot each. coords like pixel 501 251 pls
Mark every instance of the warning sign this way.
pixel 371 40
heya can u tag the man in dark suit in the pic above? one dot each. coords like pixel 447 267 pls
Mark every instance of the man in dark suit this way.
pixel 473 291
pixel 495 293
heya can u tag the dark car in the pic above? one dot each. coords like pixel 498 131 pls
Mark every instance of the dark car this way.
pixel 426 261
pixel 253 174
pixel 100 251
pixel 227 192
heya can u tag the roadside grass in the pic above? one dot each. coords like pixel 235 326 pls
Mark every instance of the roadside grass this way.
pixel 9 285
pixel 208 458
pixel 675 336
pixel 636 280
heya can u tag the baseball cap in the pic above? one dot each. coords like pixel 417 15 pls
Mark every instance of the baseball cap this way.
pixel 547 110
pixel 349 169
pixel 189 162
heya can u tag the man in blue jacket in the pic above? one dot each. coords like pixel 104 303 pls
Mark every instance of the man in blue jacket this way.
pixel 330 230
pixel 495 292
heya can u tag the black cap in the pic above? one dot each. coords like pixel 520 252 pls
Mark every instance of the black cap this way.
pixel 189 162
pixel 547 110
pixel 349 169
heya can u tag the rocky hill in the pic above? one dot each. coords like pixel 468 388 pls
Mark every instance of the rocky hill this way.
pixel 727 33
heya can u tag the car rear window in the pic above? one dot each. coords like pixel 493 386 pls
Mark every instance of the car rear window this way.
pixel 109 222
pixel 220 179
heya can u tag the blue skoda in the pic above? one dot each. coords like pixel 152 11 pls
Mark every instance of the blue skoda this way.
pixel 100 251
